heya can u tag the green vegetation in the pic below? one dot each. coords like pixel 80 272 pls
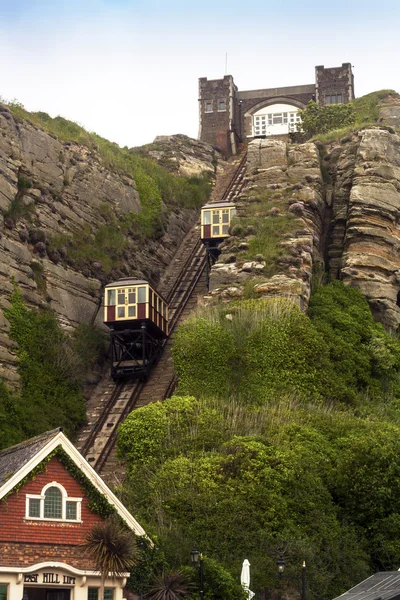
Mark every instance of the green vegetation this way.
pixel 18 208
pixel 321 119
pixel 284 438
pixel 52 367
pixel 267 220
pixel 328 123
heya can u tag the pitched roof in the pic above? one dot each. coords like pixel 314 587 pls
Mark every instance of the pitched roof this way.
pixel 380 586
pixel 18 461
pixel 14 458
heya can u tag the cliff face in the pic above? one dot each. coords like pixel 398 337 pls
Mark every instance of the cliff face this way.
pixel 51 188
pixel 336 209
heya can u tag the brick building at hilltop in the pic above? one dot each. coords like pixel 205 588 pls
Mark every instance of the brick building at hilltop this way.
pixel 47 495
pixel 228 116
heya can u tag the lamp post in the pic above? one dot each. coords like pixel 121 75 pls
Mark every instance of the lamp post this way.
pixel 281 564
pixel 197 562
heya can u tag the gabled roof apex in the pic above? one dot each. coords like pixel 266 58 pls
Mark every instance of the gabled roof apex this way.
pixel 18 461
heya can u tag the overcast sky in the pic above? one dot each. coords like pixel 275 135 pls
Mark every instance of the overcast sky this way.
pixel 128 69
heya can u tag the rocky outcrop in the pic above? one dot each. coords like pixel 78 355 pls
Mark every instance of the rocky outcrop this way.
pixel 58 189
pixel 284 186
pixel 371 258
pixel 181 154
pixel 345 205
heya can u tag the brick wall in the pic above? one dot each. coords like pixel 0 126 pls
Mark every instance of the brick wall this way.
pixel 43 539
pixel 14 554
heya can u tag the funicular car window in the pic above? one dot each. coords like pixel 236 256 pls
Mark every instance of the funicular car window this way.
pixel 111 298
pixel 225 216
pixel 121 296
pixel 215 216
pixel 141 294
pixel 131 296
pixel 121 312
pixel 207 217
pixel 131 311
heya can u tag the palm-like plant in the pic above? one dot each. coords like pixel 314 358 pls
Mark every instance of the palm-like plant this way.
pixel 170 586
pixel 112 548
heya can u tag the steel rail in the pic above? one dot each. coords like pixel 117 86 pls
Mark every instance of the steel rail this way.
pixel 189 276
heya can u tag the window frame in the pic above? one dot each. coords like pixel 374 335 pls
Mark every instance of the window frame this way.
pixel 97 589
pixel 64 499
pixel 220 102
pixel 208 103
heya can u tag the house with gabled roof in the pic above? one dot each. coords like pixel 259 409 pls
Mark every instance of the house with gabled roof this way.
pixel 50 497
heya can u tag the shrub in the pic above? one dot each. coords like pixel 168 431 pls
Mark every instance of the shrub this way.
pixel 316 118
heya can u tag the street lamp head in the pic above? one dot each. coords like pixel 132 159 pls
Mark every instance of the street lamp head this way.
pixel 195 556
pixel 281 564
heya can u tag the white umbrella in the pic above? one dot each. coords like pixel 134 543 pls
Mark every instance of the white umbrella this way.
pixel 245 579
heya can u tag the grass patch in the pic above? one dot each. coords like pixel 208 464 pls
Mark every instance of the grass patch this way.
pixel 104 246
pixel 38 276
pixel 267 228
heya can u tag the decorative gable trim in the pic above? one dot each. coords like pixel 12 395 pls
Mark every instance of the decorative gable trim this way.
pixel 61 441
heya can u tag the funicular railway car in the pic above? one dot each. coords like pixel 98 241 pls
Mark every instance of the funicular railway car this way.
pixel 215 222
pixel 137 316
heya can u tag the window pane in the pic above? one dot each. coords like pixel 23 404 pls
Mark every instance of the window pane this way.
pixel 277 119
pixel 339 99
pixel 111 296
pixel 121 312
pixel 142 294
pixel 53 503
pixel 233 212
pixel 208 107
pixel 225 229
pixel 132 297
pixel 207 217
pixel 132 311
pixel 216 230
pixel 327 99
pixel 121 296
pixel 225 217
pixel 3 592
pixel 93 593
pixel 71 511
pixel 108 594
pixel 34 507
pixel 215 216
pixel 221 105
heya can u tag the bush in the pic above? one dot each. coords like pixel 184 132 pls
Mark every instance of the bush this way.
pixel 317 119
pixel 52 367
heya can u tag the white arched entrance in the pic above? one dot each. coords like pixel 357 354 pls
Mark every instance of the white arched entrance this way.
pixel 275 119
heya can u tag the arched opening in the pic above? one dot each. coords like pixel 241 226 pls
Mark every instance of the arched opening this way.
pixel 278 116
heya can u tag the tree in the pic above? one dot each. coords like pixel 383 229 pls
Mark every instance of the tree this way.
pixel 113 549
pixel 170 586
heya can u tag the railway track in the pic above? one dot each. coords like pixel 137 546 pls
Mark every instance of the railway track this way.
pixel 116 401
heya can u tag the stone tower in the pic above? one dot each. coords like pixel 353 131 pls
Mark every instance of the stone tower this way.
pixel 334 85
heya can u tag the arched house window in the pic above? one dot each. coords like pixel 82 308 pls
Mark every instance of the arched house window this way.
pixel 53 504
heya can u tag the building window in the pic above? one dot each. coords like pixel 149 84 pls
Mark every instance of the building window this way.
pixel 221 105
pixel 53 504
pixel 334 99
pixel 93 593
pixel 3 592
pixel 208 107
